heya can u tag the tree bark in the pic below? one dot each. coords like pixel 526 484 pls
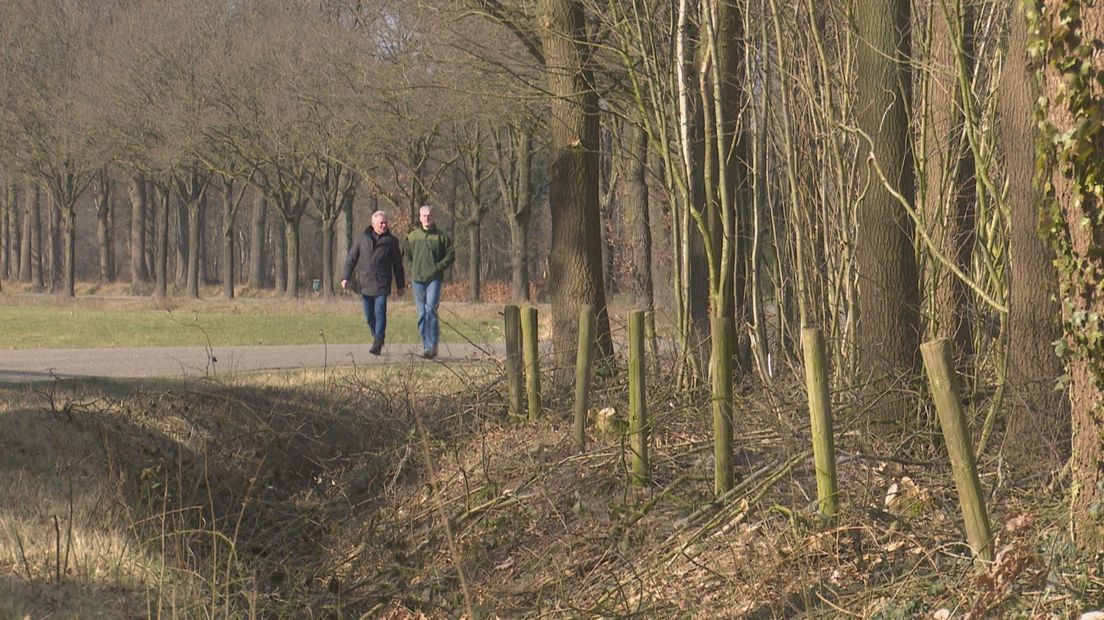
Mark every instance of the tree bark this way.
pixel 136 190
pixel 54 250
pixel 1038 418
pixel 949 174
pixel 888 338
pixel 279 261
pixel 30 232
pixel 15 226
pixel 575 258
pixel 103 225
pixel 637 216
pixel 161 261
pixel 1073 73
pixel 475 256
pixel 257 243
pixel 7 210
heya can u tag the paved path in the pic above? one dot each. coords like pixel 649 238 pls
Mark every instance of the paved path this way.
pixel 22 365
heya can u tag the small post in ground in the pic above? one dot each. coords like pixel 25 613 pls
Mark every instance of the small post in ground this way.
pixel 638 408
pixel 583 363
pixel 514 375
pixel 945 391
pixel 532 360
pixel 820 417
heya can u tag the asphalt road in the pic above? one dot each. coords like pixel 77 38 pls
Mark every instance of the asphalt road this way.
pixel 23 365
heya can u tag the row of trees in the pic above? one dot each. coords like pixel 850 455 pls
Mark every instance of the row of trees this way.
pixel 868 167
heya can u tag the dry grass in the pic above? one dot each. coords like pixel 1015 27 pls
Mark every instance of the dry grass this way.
pixel 308 495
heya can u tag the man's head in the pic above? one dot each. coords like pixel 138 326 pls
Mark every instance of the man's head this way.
pixel 425 216
pixel 379 222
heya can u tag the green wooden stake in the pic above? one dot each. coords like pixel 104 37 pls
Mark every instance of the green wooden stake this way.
pixel 514 376
pixel 720 364
pixel 532 360
pixel 820 417
pixel 947 396
pixel 583 363
pixel 638 409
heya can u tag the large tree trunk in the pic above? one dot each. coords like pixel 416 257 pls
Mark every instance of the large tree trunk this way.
pixel 183 228
pixel 888 338
pixel 279 261
pixel 291 230
pixel 136 190
pixel 257 244
pixel 30 232
pixel 575 258
pixel 195 234
pixel 229 214
pixel 69 251
pixel 950 195
pixel 519 220
pixel 1038 416
pixel 7 210
pixel 475 257
pixel 15 226
pixel 54 227
pixel 1073 72
pixel 161 263
pixel 103 226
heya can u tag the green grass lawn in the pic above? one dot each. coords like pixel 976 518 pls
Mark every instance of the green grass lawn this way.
pixel 254 322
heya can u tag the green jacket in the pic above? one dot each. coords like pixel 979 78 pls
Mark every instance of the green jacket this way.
pixel 429 253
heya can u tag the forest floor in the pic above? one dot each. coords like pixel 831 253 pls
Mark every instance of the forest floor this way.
pixel 404 491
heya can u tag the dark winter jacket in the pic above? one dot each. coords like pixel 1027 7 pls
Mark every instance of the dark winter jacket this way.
pixel 376 258
pixel 429 252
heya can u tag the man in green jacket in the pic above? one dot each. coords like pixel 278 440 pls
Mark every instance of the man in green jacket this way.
pixel 429 252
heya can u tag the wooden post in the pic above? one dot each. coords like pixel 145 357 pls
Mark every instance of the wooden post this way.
pixel 583 362
pixel 820 418
pixel 514 375
pixel 720 366
pixel 532 360
pixel 945 392
pixel 638 408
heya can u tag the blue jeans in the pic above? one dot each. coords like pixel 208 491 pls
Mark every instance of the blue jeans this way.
pixel 375 312
pixel 426 297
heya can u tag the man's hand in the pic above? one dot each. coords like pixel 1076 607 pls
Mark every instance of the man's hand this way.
pixel 344 284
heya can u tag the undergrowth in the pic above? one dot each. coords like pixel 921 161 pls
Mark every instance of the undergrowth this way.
pixel 405 492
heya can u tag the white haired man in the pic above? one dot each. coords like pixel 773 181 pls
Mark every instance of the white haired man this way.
pixel 376 255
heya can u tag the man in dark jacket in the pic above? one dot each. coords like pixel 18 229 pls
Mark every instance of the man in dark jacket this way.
pixel 430 253
pixel 376 255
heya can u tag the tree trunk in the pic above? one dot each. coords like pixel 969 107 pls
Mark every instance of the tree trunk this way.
pixel 149 202
pixel 950 195
pixel 15 226
pixel 257 243
pixel 229 215
pixel 638 217
pixel 69 253
pixel 103 225
pixel 475 257
pixel 30 232
pixel 183 227
pixel 7 210
pixel 136 190
pixel 888 338
pixel 277 228
pixel 53 243
pixel 195 234
pixel 1038 417
pixel 328 227
pixel 1073 74
pixel 291 229
pixel 161 262
pixel 575 258
pixel 519 220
